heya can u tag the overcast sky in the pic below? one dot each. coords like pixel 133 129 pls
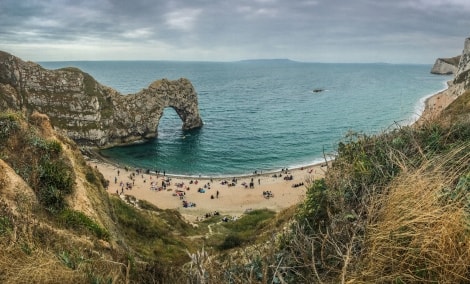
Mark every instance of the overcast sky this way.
pixel 393 31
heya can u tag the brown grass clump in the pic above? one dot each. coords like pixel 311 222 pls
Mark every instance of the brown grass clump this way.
pixel 42 122
pixel 418 231
pixel 37 267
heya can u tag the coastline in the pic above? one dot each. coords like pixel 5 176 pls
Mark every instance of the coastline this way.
pixel 435 104
pixel 227 195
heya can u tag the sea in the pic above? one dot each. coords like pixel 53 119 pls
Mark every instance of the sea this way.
pixel 265 115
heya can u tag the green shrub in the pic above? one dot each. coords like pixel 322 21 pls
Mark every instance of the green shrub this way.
pixel 5 225
pixel 90 177
pixel 314 210
pixel 55 182
pixel 139 223
pixel 144 204
pixel 231 241
pixel 78 221
pixel 8 124
pixel 247 228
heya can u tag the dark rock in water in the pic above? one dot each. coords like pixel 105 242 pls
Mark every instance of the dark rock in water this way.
pixel 88 112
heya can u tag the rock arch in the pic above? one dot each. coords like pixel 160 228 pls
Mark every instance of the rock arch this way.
pixel 88 112
pixel 179 95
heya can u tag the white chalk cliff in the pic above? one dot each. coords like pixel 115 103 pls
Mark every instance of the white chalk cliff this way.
pixel 446 66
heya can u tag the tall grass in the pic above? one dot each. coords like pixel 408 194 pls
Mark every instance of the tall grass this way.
pixel 419 231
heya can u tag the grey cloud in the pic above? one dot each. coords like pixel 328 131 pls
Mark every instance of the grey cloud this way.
pixel 312 30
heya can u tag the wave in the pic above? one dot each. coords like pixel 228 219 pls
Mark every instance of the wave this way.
pixel 421 105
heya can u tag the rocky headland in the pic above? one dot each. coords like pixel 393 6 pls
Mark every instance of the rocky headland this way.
pixel 88 112
pixel 446 66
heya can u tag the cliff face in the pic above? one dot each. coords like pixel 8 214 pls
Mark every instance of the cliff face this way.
pixel 461 81
pixel 463 74
pixel 446 66
pixel 88 112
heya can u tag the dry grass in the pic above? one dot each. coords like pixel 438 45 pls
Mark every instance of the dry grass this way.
pixel 418 231
pixel 38 267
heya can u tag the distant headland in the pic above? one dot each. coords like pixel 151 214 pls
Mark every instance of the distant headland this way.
pixel 446 66
pixel 274 60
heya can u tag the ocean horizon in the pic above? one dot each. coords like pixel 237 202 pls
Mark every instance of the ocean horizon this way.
pixel 265 115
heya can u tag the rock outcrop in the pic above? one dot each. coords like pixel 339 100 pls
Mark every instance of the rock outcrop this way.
pixel 461 81
pixel 88 112
pixel 446 66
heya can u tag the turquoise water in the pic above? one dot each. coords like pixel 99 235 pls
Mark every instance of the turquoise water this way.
pixel 263 115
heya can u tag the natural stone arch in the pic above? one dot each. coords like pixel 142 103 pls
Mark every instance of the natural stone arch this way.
pixel 179 95
pixel 88 112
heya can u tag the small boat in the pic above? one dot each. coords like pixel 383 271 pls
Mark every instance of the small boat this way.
pixel 318 90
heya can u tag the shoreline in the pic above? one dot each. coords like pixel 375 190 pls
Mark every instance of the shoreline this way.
pixel 228 195
pixel 94 154
pixel 435 104
pixel 422 105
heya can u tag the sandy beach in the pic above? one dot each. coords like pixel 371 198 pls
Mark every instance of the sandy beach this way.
pixel 435 104
pixel 228 196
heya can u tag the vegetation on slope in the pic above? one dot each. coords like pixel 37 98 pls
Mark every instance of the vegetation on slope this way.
pixel 392 208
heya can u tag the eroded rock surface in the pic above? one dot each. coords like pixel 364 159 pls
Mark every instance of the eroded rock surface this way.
pixel 88 112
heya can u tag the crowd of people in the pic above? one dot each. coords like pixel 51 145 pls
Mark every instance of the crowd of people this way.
pixel 163 183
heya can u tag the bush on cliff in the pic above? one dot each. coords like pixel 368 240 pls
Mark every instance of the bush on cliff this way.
pixel 38 160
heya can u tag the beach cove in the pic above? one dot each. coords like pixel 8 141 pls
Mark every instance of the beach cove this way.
pixel 199 197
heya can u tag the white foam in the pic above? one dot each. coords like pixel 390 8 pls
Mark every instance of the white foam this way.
pixel 421 105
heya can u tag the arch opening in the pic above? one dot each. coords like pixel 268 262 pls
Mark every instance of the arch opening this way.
pixel 170 123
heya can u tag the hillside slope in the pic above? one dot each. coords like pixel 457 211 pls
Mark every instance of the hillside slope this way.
pixel 58 224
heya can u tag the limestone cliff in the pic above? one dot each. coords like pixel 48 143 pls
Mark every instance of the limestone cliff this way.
pixel 88 112
pixel 461 81
pixel 446 66
pixel 463 74
pixel 456 87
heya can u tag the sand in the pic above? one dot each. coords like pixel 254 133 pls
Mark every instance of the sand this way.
pixel 232 200
pixel 435 104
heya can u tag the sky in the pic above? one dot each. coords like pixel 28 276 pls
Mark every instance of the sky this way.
pixel 391 31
